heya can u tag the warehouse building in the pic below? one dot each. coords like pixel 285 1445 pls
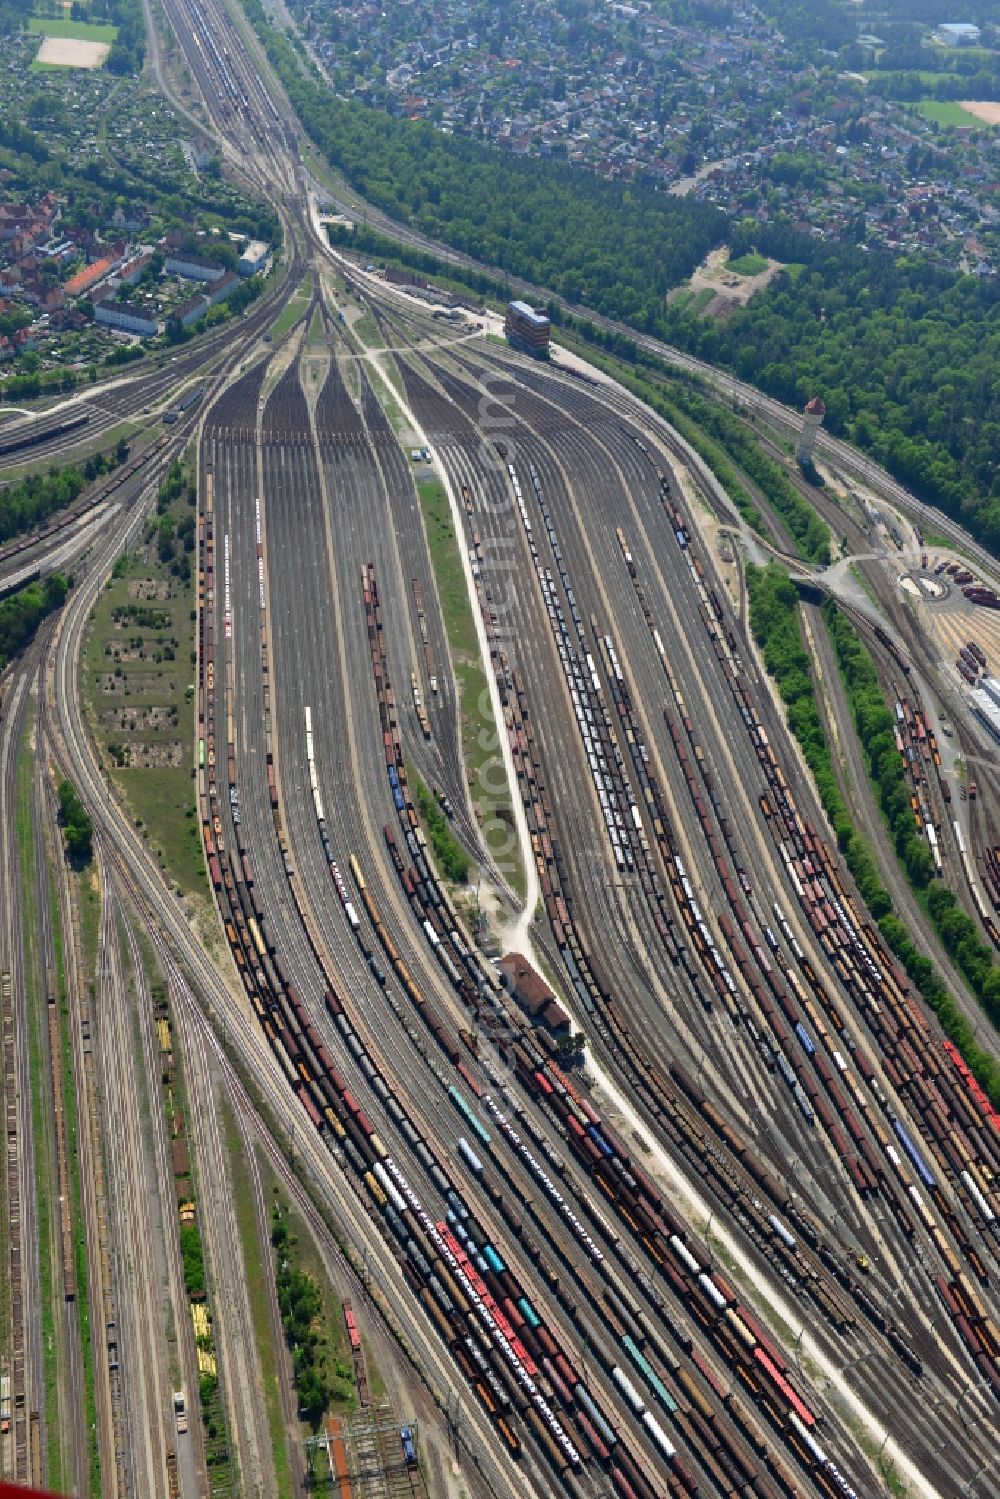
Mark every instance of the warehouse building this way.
pixel 985 703
pixel 254 258
pixel 957 34
pixel 533 993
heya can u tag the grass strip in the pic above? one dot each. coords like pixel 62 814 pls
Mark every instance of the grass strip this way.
pixel 313 1320
pixel 138 660
pixel 749 264
pixel 90 924
pixel 366 329
pixel 254 1259
pixel 294 308
pixel 480 738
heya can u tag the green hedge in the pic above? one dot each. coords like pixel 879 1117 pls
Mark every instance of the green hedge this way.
pixel 193 1260
pixel 76 825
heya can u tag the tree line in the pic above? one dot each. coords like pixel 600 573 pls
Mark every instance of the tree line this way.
pixel 23 611
pixel 958 932
pixel 28 503
pixel 774 620
pixel 320 1377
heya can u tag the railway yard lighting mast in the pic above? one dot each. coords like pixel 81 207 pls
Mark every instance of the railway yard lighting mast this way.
pixel 971 1387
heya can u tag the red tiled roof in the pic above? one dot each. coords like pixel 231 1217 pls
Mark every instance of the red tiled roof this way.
pixel 86 278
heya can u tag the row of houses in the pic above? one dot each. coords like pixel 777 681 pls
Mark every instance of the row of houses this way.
pixel 34 254
pixel 133 317
pixel 22 225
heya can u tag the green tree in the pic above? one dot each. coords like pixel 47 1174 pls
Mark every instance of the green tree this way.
pixel 76 824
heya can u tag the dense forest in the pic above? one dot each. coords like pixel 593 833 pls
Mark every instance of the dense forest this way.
pixel 904 356
pixel 128 50
pixel 813 23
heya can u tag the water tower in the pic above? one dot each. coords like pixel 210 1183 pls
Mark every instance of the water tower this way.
pixel 812 420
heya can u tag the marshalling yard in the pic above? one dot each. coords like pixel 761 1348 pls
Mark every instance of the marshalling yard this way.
pixel 750 1244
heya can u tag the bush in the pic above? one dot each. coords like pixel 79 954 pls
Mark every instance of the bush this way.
pixel 449 854
pixel 301 1307
pixel 193 1259
pixel 76 824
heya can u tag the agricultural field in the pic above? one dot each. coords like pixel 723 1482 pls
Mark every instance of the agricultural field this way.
pixel 986 110
pixel 948 112
pixel 82 31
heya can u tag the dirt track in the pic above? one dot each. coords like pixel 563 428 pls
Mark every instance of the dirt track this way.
pixel 72 52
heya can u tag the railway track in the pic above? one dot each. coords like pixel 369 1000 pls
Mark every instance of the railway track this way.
pixel 213 471
pixel 663 845
pixel 23 1354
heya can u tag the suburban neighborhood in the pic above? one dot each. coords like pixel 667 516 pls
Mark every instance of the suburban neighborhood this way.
pixel 837 138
